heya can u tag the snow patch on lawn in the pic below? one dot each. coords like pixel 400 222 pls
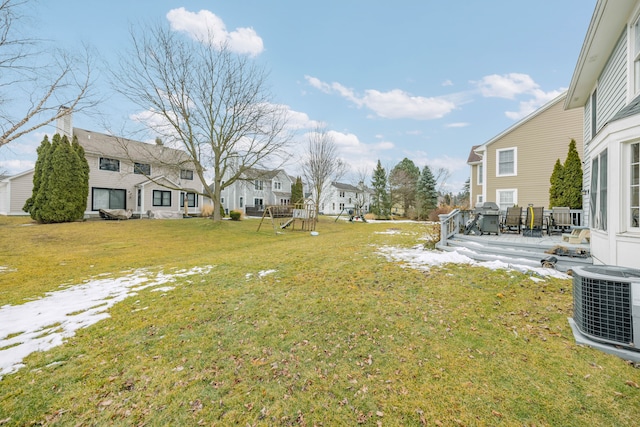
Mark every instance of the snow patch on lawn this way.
pixel 46 322
pixel 419 258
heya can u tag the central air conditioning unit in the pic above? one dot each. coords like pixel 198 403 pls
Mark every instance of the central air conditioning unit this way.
pixel 606 309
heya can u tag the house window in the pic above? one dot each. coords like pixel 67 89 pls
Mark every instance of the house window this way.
pixel 480 175
pixel 479 198
pixel 139 197
pixel 192 199
pixel 634 186
pixel 161 198
pixel 257 184
pixel 107 164
pixel 142 169
pixel 108 198
pixel 241 202
pixel 333 206
pixel 186 174
pixel 342 194
pixel 594 127
pixel 341 206
pixel 277 185
pixel 257 202
pixel 598 192
pixel 636 55
pixel 506 198
pixel 506 162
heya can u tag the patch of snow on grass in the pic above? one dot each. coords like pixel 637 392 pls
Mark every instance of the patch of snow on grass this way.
pixel 419 258
pixel 265 272
pixel 46 322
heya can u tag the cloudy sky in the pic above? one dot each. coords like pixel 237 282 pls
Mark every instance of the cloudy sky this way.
pixel 423 79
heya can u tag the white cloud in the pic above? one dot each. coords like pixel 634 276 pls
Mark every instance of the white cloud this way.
pixel 299 120
pixel 457 125
pixel 507 86
pixel 447 83
pixel 12 167
pixel 204 24
pixel 529 106
pixel 514 85
pixel 394 104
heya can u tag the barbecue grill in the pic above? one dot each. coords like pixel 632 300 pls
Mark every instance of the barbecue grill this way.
pixel 486 219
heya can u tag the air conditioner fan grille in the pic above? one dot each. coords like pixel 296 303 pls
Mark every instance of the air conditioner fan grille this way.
pixel 602 308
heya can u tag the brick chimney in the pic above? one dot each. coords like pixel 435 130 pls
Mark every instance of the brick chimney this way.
pixel 64 122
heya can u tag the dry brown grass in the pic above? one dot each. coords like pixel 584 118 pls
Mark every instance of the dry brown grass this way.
pixel 336 336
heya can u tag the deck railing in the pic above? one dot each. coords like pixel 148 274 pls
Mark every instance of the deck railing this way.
pixel 450 224
pixel 455 221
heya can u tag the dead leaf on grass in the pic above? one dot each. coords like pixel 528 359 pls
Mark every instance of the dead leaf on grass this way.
pixel 632 384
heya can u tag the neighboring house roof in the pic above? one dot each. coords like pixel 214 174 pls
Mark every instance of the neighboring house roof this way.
pixel 255 173
pixel 18 175
pixel 473 156
pixel 559 98
pixel 609 17
pixel 343 186
pixel 156 179
pixel 109 145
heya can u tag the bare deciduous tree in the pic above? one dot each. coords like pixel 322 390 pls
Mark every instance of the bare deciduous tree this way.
pixel 442 175
pixel 206 100
pixel 42 81
pixel 321 164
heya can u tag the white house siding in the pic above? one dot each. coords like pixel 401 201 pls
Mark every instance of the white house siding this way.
pixel 612 84
pixel 245 189
pixel 14 192
pixel 586 164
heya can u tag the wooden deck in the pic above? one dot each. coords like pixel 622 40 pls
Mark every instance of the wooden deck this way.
pixel 518 249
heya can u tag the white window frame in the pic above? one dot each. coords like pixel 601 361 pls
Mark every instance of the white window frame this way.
pixel 515 161
pixel 480 177
pixel 499 192
pixel 630 187
pixel 479 198
pixel 598 215
pixel 635 52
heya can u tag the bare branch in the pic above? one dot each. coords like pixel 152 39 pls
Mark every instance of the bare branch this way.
pixel 63 80
pixel 205 100
pixel 321 165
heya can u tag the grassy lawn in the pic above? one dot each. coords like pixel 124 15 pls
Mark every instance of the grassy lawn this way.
pixel 336 335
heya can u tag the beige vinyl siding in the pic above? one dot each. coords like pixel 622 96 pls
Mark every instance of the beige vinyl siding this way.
pixel 539 142
pixel 21 190
pixel 476 189
pixel 612 84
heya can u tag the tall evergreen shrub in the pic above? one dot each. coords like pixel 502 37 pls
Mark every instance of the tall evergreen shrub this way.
pixel 556 180
pixel 63 183
pixel 426 193
pixel 381 203
pixel 572 178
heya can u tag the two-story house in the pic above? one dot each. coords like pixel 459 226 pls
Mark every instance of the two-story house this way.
pixel 256 189
pixel 606 87
pixel 339 196
pixel 515 166
pixel 123 174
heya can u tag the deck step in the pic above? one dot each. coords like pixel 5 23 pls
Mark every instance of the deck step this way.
pixel 512 253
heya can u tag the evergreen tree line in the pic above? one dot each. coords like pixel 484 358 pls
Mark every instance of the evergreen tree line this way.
pixel 406 186
pixel 566 181
pixel 60 182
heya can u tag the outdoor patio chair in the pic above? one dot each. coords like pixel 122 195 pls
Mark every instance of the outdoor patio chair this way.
pixel 577 235
pixel 534 222
pixel 559 220
pixel 512 220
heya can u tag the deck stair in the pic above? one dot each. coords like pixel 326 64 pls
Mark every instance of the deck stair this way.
pixel 528 251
